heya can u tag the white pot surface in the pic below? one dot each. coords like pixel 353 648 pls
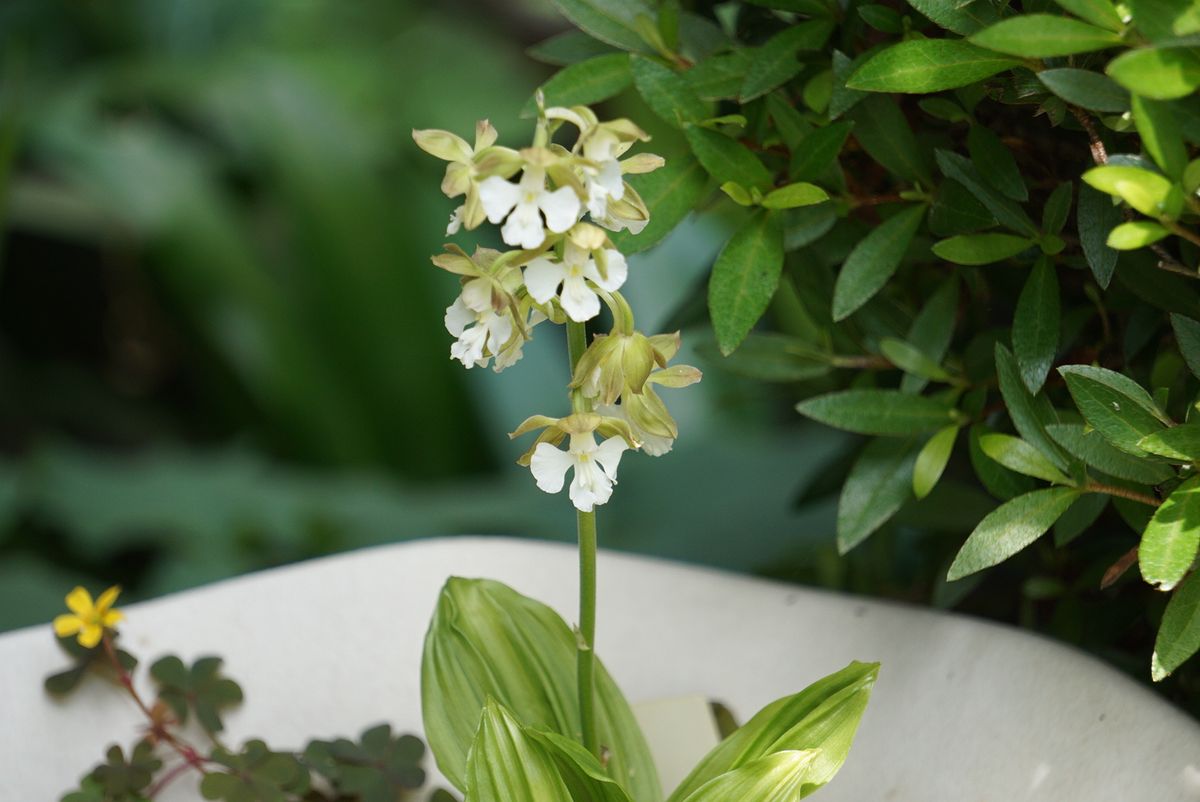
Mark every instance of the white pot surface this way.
pixel 964 710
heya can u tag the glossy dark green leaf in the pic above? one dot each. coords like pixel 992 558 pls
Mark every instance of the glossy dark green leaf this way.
pixel 588 82
pixel 874 260
pixel 1179 634
pixel 818 150
pixel 932 329
pixel 1010 528
pixel 1160 73
pixel 775 62
pixel 568 47
pixel 928 65
pixel 1177 443
pixel 1079 517
pixel 995 162
pixel 881 412
pixel 981 249
pixel 719 77
pixel 912 360
pixel 883 132
pixel 1098 12
pixel 1187 338
pixel 878 484
pixel 1090 447
pixel 1023 408
pixel 842 98
pixel 744 279
pixel 1018 456
pixel 1086 89
pixel 1113 405
pixel 1169 544
pixel 614 23
pixel 726 159
pixel 956 211
pixel 1096 217
pixel 670 193
pixel 1057 208
pixel 961 18
pixel 667 93
pixel 1043 36
pixel 1006 211
pixel 1036 325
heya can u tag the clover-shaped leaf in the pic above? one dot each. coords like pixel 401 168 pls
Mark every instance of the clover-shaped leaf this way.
pixel 63 682
pixel 257 774
pixel 119 779
pixel 201 688
pixel 373 770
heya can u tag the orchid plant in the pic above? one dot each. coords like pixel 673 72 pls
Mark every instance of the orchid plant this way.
pixel 545 721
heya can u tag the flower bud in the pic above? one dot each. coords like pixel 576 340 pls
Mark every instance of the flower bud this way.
pixel 613 363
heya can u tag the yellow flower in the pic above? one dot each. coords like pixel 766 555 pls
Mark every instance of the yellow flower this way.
pixel 87 619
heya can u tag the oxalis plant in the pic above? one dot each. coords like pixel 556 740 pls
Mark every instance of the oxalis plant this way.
pixel 970 233
pixel 516 704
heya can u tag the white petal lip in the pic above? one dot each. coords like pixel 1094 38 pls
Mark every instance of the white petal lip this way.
pixel 499 329
pixel 561 208
pixel 477 295
pixel 524 227
pixel 498 197
pixel 618 271
pixel 458 317
pixel 549 466
pixel 589 487
pixel 608 454
pixel 455 222
pixel 578 300
pixel 542 278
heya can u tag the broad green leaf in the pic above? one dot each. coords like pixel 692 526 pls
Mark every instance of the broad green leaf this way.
pixel 1179 634
pixel 1036 325
pixel 883 412
pixel 1167 291
pixel 962 18
pixel 807 224
pixel 881 18
pixel 882 130
pixel 995 163
pixel 911 360
pixel 1079 517
pixel 744 279
pixel 504 764
pixel 670 193
pixel 810 8
pixel 1157 19
pixel 1023 407
pixel 487 640
pixel 931 461
pixel 878 484
pixel 588 82
pixel 1096 217
pixel 794 195
pixel 928 65
pixel 932 329
pixel 1177 443
pixel 1097 12
pixel 719 77
pixel 726 159
pixel 1138 234
pixel 874 260
pixel 1150 193
pixel 1113 405
pixel 823 716
pixel 1017 455
pixel 611 21
pixel 1009 528
pixel 1043 36
pixel 1057 208
pixel 1090 446
pixel 818 150
pixel 841 98
pixel 943 108
pixel 1159 130
pixel 999 481
pixel 1159 73
pixel 956 211
pixel 981 249
pixel 667 93
pixel 1169 544
pixel 789 122
pixel 1187 337
pixel 1007 212
pixel 1086 89
pixel 778 777
pixel 579 769
pixel 775 62
pixel 568 47
pixel 772 358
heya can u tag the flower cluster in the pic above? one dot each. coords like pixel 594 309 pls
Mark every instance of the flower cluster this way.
pixel 563 268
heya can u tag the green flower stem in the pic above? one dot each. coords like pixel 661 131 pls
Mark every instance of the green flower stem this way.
pixel 586 657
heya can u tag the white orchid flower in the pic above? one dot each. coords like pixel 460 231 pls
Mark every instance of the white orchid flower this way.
pixel 604 181
pixel 578 268
pixel 524 203
pixel 653 444
pixel 595 468
pixel 481 335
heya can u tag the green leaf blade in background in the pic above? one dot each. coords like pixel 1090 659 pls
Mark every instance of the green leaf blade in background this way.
pixel 1010 528
pixel 1177 443
pixel 995 162
pixel 727 159
pixel 670 193
pixel 879 412
pixel 1017 455
pixel 1114 405
pixel 1089 446
pixel 1179 634
pixel 613 23
pixel 1187 337
pixel 744 279
pixel 1096 217
pixel 878 484
pixel 1159 73
pixel 1169 544
pixel 1036 325
pixel 775 62
pixel 931 462
pixel 584 83
pixel 505 764
pixel 921 66
pixel 1086 89
pixel 1027 415
pixel 961 18
pixel 1044 36
pixel 667 93
pixel 874 260
pixel 981 249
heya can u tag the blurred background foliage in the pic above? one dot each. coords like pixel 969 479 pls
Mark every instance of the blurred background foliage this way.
pixel 221 345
